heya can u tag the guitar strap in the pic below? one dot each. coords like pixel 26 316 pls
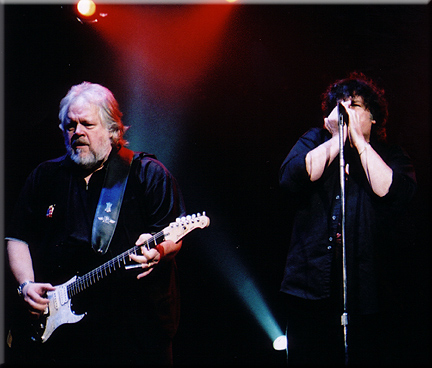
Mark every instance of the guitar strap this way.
pixel 110 200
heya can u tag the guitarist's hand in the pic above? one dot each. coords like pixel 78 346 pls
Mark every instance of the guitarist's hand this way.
pixel 34 295
pixel 149 259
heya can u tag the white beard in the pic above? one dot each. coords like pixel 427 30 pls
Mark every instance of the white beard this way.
pixel 90 158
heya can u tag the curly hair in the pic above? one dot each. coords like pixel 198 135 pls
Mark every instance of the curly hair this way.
pixel 357 84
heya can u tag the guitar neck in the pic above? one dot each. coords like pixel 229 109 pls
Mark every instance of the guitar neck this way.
pixel 118 262
pixel 174 232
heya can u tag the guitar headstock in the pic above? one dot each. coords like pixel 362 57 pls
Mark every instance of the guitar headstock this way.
pixel 184 225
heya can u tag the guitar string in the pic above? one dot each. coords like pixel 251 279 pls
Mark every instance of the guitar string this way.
pixel 81 283
pixel 70 288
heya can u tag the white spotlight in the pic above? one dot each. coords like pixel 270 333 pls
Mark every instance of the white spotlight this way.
pixel 280 343
pixel 86 7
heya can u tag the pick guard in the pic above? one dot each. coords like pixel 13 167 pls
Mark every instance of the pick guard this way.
pixel 59 310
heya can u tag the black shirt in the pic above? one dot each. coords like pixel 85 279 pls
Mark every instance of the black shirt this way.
pixel 315 240
pixel 54 216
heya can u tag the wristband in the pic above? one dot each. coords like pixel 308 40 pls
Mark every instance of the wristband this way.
pixel 160 249
pixel 21 287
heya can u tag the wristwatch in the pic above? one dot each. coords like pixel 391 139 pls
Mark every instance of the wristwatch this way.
pixel 21 287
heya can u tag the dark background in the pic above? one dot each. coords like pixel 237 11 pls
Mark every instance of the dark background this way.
pixel 233 128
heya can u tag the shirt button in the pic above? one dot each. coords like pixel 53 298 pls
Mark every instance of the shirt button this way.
pixel 329 247
pixel 334 217
pixel 331 238
pixel 337 197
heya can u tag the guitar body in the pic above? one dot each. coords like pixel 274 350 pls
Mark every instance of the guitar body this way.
pixel 58 311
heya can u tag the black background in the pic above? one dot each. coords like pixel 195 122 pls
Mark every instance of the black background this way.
pixel 240 123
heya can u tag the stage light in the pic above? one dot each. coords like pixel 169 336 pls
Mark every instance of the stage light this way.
pixel 280 343
pixel 226 260
pixel 86 12
pixel 86 8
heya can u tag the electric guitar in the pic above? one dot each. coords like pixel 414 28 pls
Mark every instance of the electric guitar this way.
pixel 59 310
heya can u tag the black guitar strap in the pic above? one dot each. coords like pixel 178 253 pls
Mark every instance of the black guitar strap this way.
pixel 110 200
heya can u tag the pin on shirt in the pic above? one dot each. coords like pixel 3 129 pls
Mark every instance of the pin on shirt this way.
pixel 50 211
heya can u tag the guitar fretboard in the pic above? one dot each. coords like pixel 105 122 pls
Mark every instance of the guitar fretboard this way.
pixel 90 278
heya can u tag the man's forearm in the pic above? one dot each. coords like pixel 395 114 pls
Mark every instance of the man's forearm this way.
pixel 320 157
pixel 20 260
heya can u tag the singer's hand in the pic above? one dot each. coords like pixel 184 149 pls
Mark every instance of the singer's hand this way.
pixel 360 123
pixel 331 123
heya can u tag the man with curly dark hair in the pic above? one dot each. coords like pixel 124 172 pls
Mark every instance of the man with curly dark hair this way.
pixel 379 181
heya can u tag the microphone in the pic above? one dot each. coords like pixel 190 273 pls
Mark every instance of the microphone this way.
pixel 343 115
